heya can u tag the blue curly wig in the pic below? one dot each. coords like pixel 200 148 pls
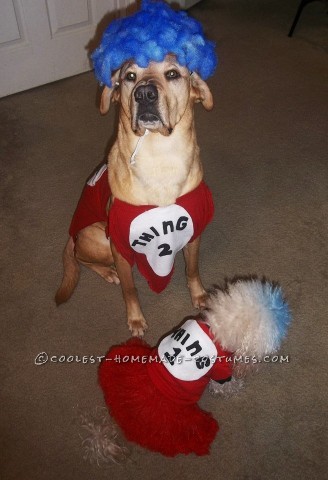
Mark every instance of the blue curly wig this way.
pixel 149 35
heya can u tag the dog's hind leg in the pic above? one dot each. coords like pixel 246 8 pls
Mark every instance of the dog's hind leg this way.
pixel 197 291
pixel 92 249
pixel 71 274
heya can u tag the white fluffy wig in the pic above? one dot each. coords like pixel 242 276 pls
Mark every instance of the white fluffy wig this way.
pixel 249 317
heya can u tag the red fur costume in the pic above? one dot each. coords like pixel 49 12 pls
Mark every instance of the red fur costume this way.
pixel 152 393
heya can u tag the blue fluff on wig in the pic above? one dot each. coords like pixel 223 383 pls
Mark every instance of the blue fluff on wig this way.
pixel 149 35
pixel 273 299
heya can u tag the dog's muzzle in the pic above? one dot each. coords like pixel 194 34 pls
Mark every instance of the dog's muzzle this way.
pixel 149 111
pixel 146 97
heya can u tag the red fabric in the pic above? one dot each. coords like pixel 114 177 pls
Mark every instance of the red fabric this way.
pixel 92 205
pixel 145 416
pixel 198 203
pixel 92 208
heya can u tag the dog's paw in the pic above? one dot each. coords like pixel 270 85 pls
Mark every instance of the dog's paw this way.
pixel 199 301
pixel 197 292
pixel 107 273
pixel 111 276
pixel 137 326
pixel 198 295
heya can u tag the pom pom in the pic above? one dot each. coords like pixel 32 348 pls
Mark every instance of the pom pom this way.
pixel 100 439
pixel 249 318
pixel 150 34
pixel 228 389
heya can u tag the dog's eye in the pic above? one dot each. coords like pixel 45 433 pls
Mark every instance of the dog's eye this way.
pixel 172 74
pixel 131 77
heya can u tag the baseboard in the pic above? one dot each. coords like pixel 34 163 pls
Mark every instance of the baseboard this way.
pixel 186 3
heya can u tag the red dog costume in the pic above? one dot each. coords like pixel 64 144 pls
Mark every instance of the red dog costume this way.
pixel 152 393
pixel 156 402
pixel 146 235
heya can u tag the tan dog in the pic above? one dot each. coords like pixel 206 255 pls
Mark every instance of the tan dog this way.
pixel 158 100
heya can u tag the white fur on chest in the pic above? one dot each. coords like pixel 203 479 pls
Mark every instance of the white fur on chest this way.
pixel 161 169
pixel 160 179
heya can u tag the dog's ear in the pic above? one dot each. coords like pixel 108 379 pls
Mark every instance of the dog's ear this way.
pixel 200 91
pixel 110 94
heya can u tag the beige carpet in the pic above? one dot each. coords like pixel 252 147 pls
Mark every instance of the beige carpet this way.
pixel 264 149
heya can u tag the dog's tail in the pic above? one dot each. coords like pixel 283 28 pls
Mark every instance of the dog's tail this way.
pixel 71 274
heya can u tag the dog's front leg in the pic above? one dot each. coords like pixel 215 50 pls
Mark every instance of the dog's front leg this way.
pixel 136 321
pixel 197 291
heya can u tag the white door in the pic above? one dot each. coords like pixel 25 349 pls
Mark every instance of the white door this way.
pixel 45 40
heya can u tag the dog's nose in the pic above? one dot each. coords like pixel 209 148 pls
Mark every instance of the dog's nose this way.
pixel 146 94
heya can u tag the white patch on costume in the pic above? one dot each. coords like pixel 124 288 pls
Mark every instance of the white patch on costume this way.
pixel 94 179
pixel 188 353
pixel 159 234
